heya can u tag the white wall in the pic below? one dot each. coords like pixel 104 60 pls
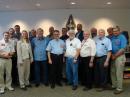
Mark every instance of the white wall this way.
pixel 99 18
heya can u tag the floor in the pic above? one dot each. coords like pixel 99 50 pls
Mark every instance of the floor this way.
pixel 65 91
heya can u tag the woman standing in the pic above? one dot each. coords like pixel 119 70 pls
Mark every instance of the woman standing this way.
pixel 25 57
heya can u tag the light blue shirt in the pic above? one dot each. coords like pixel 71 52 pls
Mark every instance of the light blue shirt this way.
pixel 39 49
pixel 56 46
pixel 103 46
pixel 118 42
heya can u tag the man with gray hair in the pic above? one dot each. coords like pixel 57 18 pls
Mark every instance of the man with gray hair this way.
pixel 73 46
pixel 103 53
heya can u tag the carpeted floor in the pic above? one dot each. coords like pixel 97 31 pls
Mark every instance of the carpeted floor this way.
pixel 65 91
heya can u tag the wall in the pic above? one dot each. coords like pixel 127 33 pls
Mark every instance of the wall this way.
pixel 99 18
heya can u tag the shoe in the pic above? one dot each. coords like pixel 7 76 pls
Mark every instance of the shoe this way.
pixel 100 89
pixel 10 88
pixel 59 84
pixel 29 86
pixel 86 89
pixel 23 88
pixel 74 87
pixel 53 86
pixel 2 91
pixel 37 85
pixel 118 91
pixel 46 84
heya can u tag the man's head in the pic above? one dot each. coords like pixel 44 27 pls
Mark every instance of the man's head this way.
pixel 51 30
pixel 17 28
pixel 101 33
pixel 11 32
pixel 64 31
pixel 39 33
pixel 79 27
pixel 116 31
pixel 86 35
pixel 56 34
pixel 33 32
pixel 110 31
pixel 93 32
pixel 6 36
pixel 71 34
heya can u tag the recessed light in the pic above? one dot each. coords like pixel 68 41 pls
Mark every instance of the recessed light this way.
pixel 72 3
pixel 38 4
pixel 109 3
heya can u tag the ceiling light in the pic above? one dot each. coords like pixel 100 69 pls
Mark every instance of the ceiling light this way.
pixel 72 3
pixel 109 3
pixel 38 4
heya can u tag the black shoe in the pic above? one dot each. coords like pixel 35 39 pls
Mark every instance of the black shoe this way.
pixel 46 84
pixel 86 89
pixel 74 87
pixel 29 86
pixel 53 86
pixel 59 84
pixel 37 85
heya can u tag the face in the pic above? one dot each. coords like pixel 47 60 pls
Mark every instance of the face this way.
pixel 17 28
pixel 110 31
pixel 6 36
pixel 33 33
pixel 86 35
pixel 79 27
pixel 64 31
pixel 71 35
pixel 11 32
pixel 101 33
pixel 25 35
pixel 39 33
pixel 51 30
pixel 56 35
pixel 116 32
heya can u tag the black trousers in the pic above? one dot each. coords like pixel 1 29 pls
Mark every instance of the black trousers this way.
pixel 101 72
pixel 56 68
pixel 86 72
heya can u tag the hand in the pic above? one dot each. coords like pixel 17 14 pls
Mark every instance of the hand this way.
pixel 50 61
pixel 6 55
pixel 90 64
pixel 106 64
pixel 113 57
pixel 75 61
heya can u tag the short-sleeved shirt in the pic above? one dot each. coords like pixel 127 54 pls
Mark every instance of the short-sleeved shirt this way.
pixel 103 46
pixel 6 47
pixel 56 46
pixel 39 48
pixel 72 46
pixel 118 42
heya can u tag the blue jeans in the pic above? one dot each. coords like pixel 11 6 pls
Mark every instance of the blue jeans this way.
pixel 41 72
pixel 71 71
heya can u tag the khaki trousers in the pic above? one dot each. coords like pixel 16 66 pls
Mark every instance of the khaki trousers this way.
pixel 5 68
pixel 117 69
pixel 24 72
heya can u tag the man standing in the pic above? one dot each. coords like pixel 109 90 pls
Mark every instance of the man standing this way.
pixel 6 52
pixel 119 43
pixel 64 36
pixel 39 45
pixel 55 51
pixel 73 46
pixel 103 53
pixel 17 33
pixel 93 32
pixel 79 34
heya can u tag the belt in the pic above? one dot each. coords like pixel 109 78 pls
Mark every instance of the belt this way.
pixel 100 56
pixel 56 54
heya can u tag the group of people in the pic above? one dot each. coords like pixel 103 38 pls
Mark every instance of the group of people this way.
pixel 88 58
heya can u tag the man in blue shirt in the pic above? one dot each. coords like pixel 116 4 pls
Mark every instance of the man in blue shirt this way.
pixel 119 43
pixel 55 51
pixel 39 45
pixel 103 53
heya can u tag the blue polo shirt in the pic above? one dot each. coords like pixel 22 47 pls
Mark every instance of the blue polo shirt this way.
pixel 39 49
pixel 103 46
pixel 56 46
pixel 118 42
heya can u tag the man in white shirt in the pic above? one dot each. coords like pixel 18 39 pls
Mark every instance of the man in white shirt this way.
pixel 73 46
pixel 87 53
pixel 6 52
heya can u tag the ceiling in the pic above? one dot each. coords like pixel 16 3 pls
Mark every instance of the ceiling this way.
pixel 20 5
